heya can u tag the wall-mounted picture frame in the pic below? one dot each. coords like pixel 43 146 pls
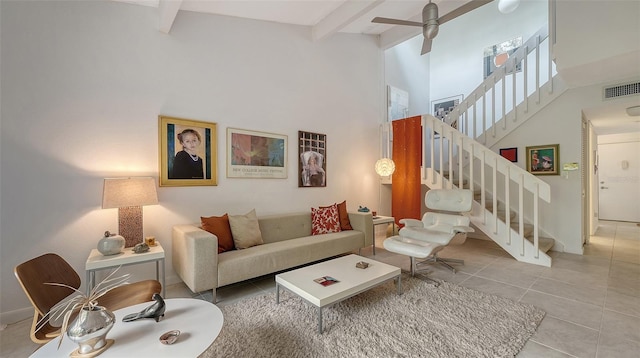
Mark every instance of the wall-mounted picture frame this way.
pixel 543 159
pixel 188 152
pixel 258 155
pixel 398 103
pixel 511 154
pixel 312 159
pixel 495 56
pixel 443 106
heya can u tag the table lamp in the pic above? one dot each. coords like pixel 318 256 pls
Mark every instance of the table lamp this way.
pixel 129 195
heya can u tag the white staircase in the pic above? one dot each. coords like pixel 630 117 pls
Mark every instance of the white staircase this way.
pixel 462 151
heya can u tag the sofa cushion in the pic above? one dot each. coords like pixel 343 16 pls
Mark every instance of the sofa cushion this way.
pixel 325 220
pixel 219 226
pixel 245 230
pixel 345 224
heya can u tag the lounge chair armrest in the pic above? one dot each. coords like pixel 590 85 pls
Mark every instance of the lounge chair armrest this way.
pixel 411 223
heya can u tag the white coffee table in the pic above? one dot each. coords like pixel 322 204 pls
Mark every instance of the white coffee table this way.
pixel 352 281
pixel 198 321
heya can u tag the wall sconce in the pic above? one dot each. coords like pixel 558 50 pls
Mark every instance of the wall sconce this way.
pixel 129 195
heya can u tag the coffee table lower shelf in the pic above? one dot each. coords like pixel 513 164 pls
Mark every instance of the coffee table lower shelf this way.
pixel 352 281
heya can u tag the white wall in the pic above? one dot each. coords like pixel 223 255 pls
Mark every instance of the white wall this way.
pixel 83 84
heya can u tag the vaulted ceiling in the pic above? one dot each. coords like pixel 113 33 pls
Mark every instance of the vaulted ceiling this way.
pixel 327 17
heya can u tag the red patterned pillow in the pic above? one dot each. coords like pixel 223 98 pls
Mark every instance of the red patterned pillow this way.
pixel 325 220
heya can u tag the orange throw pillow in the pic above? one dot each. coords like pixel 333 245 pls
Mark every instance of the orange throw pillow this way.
pixel 345 224
pixel 219 226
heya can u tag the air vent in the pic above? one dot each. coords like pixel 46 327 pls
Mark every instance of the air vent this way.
pixel 621 90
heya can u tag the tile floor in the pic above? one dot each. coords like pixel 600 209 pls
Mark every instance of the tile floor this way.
pixel 592 301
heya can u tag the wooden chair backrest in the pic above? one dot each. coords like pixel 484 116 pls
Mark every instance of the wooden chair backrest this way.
pixel 33 275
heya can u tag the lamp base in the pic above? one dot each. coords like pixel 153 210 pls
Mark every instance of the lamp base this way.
pixel 130 225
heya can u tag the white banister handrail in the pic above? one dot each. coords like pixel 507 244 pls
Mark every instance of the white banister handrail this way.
pixel 518 61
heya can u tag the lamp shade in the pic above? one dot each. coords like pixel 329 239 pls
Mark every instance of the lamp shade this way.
pixel 385 167
pixel 125 192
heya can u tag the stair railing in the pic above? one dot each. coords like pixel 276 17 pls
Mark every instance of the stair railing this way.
pixel 497 97
pixel 484 165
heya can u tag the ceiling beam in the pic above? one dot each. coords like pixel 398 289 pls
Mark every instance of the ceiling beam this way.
pixel 167 12
pixel 348 12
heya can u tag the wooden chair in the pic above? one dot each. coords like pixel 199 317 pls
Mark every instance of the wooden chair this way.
pixel 34 273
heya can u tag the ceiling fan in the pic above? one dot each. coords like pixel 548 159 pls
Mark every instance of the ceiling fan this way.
pixel 431 21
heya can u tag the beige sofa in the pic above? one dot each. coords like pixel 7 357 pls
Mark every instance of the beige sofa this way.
pixel 287 243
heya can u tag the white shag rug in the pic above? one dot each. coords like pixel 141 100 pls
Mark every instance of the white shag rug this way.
pixel 426 321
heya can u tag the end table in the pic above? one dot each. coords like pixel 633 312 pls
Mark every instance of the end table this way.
pixel 96 262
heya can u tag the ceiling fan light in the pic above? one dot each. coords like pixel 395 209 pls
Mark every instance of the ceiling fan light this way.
pixel 507 6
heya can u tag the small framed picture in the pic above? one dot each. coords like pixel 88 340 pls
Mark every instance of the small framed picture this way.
pixel 510 154
pixel 257 155
pixel 543 159
pixel 188 152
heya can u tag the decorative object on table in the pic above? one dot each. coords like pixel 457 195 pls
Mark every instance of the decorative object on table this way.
pixel 362 265
pixel 511 154
pixel 111 244
pixel 312 151
pixel 150 240
pixel 188 152
pixel 363 209
pixel 155 311
pixel 129 195
pixel 257 155
pixel 89 329
pixel 140 248
pixel 375 214
pixel 543 159
pixel 170 337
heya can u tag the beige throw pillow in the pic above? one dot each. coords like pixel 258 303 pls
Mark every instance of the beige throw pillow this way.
pixel 245 230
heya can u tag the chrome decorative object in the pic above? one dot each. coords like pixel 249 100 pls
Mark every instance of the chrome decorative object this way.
pixel 155 311
pixel 170 337
pixel 90 328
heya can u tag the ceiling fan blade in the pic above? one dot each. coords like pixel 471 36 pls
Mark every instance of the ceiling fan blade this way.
pixel 470 6
pixel 426 46
pixel 386 20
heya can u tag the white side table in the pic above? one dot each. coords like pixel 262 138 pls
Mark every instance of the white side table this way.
pixel 379 220
pixel 96 262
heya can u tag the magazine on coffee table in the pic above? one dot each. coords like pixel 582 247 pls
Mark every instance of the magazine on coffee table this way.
pixel 326 280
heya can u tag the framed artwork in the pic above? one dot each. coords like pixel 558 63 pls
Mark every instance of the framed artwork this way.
pixel 495 56
pixel 188 152
pixel 543 159
pixel 252 154
pixel 442 107
pixel 510 154
pixel 398 103
pixel 312 165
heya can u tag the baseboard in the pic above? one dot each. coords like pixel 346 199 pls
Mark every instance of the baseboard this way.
pixel 16 315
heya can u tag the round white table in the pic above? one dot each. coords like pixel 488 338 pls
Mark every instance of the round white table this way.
pixel 198 321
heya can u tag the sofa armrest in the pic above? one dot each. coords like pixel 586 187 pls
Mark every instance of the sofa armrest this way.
pixel 195 257
pixel 363 222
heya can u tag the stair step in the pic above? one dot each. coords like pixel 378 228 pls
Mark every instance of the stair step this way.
pixel 544 243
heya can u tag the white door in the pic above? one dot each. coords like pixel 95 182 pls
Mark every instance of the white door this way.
pixel 619 181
